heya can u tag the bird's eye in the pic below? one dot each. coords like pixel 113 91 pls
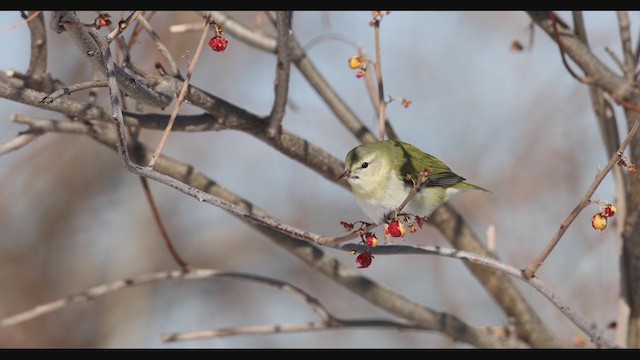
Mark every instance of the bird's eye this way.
pixel 364 165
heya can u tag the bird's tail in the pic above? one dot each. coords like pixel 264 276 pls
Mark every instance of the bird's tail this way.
pixel 468 186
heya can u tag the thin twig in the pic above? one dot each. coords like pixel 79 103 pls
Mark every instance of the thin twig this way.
pixel 382 105
pixel 183 92
pixel 283 67
pixel 21 23
pixel 18 142
pixel 372 90
pixel 123 25
pixel 584 202
pixel 68 90
pixel 160 45
pixel 554 22
pixel 615 59
pixel 336 324
pixel 136 32
pixel 163 231
pixel 194 274
pixel 121 43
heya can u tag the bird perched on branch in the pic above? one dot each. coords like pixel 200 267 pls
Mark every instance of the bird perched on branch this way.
pixel 383 174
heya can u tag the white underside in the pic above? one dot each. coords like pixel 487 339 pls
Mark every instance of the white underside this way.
pixel 422 204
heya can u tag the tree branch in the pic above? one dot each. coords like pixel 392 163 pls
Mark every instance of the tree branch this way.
pixel 173 66
pixel 584 202
pixel 90 45
pixel 183 90
pixel 283 66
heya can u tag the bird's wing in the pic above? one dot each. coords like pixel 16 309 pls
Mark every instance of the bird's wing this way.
pixel 439 173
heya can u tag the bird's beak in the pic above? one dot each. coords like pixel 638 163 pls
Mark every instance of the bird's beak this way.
pixel 344 176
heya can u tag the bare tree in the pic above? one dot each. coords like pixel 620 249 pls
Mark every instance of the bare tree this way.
pixel 134 87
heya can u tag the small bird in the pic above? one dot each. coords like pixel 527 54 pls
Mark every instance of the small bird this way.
pixel 382 174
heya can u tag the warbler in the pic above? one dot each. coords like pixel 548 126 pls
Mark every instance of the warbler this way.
pixel 383 173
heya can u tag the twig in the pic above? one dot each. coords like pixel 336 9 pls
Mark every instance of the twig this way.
pixel 382 105
pixel 18 142
pixel 584 202
pixel 336 324
pixel 615 59
pixel 183 92
pixel 283 67
pixel 373 96
pixel 422 176
pixel 160 45
pixel 21 23
pixel 123 25
pixel 163 231
pixel 136 32
pixel 585 79
pixel 68 90
pixel 180 28
pixel 194 274
pixel 121 43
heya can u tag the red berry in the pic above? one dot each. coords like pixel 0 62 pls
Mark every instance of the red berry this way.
pixel 218 43
pixel 396 229
pixel 364 260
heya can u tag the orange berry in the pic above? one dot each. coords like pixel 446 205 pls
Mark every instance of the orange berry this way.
pixel 355 61
pixel 599 221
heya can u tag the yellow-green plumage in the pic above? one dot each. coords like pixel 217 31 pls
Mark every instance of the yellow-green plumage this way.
pixel 377 174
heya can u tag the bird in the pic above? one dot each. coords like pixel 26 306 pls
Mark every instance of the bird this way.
pixel 383 173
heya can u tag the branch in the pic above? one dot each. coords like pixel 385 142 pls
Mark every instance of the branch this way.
pixel 68 90
pixel 161 47
pixel 308 70
pixel 163 231
pixel 554 22
pixel 123 25
pixel 336 324
pixel 382 105
pixel 89 42
pixel 283 67
pixel 625 38
pixel 595 336
pixel 183 91
pixel 584 202
pixel 194 274
pixel 18 142
pixel 37 71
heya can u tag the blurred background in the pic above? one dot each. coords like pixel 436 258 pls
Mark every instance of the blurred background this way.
pixel 72 217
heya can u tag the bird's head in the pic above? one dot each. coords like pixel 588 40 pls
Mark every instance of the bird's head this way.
pixel 366 165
